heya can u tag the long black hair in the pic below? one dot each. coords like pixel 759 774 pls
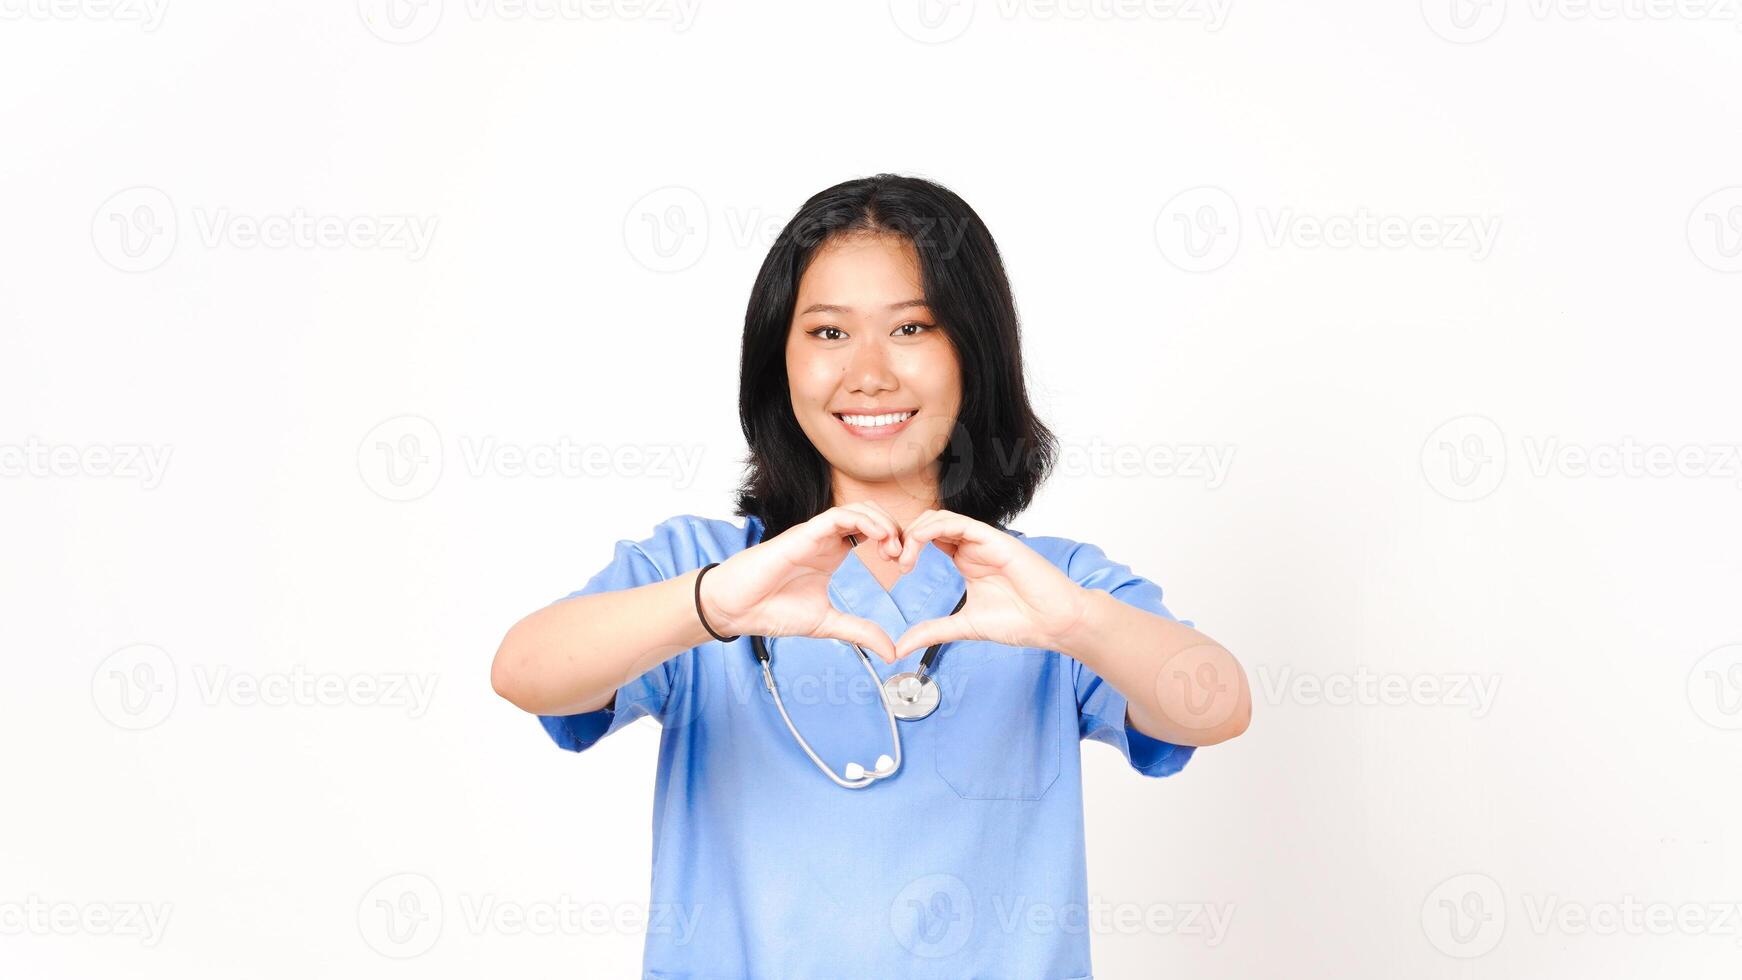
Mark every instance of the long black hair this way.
pixel 999 452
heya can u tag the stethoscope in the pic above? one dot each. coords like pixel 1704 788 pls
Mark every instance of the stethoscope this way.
pixel 909 696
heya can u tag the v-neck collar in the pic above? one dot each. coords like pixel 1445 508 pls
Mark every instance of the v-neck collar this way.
pixel 913 598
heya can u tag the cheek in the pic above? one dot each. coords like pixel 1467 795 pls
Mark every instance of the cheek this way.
pixel 939 379
pixel 812 380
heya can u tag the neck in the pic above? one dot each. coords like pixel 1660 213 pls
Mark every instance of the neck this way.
pixel 900 499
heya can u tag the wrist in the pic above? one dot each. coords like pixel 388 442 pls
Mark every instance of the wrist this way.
pixel 1078 639
pixel 714 620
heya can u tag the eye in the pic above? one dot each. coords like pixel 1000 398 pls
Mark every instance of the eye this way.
pixel 921 326
pixel 819 330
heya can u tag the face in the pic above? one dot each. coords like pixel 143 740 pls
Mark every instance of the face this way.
pixel 874 381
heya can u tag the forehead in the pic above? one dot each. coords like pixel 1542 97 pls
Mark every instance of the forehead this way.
pixel 861 266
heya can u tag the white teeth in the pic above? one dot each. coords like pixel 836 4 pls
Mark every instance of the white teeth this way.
pixel 872 421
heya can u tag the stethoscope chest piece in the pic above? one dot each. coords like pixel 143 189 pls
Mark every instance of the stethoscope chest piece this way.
pixel 911 695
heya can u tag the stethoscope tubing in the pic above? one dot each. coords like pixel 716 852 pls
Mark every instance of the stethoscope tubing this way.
pixel 927 664
pixel 871 775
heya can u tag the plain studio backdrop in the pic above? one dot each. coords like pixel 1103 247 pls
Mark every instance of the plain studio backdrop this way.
pixel 1397 342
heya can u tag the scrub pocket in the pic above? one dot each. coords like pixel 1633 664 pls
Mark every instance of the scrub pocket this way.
pixel 1005 737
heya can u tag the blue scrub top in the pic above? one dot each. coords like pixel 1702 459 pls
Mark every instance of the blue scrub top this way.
pixel 969 862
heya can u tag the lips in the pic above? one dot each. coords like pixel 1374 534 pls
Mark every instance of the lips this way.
pixel 875 432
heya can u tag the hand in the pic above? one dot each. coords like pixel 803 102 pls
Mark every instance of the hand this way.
pixel 1015 596
pixel 781 586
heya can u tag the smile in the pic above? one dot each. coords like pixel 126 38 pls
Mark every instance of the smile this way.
pixel 876 426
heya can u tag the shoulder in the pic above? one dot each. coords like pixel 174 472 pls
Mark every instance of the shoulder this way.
pixel 1089 565
pixel 686 541
pixel 1080 560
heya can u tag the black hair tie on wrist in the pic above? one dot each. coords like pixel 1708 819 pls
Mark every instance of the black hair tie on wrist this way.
pixel 704 619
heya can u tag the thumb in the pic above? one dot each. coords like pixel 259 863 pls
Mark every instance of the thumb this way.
pixel 924 634
pixel 854 629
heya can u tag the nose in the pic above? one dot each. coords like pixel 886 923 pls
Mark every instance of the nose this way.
pixel 869 370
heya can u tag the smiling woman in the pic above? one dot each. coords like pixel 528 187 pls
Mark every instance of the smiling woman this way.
pixel 882 296
pixel 890 440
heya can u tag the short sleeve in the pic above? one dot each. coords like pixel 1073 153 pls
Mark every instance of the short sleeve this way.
pixel 634 564
pixel 1101 708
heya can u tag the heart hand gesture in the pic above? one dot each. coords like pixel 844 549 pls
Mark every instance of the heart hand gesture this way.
pixel 1015 596
pixel 781 586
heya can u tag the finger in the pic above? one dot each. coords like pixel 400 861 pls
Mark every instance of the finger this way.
pixel 891 542
pixel 888 530
pixel 924 634
pixel 838 522
pixel 853 629
pixel 948 530
pixel 911 546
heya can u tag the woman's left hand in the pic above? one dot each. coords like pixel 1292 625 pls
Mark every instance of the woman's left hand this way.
pixel 1015 597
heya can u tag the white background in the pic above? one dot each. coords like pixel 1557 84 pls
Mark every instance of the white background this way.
pixel 1429 485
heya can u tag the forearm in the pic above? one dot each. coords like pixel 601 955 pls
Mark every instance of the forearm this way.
pixel 1181 686
pixel 571 656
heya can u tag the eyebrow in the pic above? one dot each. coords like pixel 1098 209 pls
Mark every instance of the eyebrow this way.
pixel 831 308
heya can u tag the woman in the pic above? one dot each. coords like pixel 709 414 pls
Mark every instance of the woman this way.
pixel 890 439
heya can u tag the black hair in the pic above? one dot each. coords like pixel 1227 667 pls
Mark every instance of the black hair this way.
pixel 999 452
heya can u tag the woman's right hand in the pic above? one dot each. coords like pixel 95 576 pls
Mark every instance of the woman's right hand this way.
pixel 781 586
